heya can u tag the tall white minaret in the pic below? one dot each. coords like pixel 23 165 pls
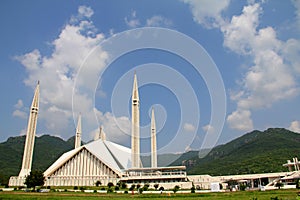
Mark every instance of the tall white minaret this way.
pixel 30 134
pixel 135 126
pixel 153 141
pixel 78 133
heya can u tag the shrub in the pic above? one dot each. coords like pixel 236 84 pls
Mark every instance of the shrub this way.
pixel 95 191
pixel 161 188
pixel 110 190
pixel 110 184
pixel 141 190
pixel 98 183
pixel 102 188
pixel 132 187
pixel 146 186
pixel 193 189
pixel 176 188
pixel 117 188
pixel 125 192
pixel 75 188
pixel 123 185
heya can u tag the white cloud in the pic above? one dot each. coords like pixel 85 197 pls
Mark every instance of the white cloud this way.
pixel 189 127
pixel 132 21
pixel 118 129
pixel 19 104
pixel 297 12
pixel 240 120
pixel 270 78
pixel 295 126
pixel 208 12
pixel 208 128
pixel 19 113
pixel 85 11
pixel 159 21
pixel 57 73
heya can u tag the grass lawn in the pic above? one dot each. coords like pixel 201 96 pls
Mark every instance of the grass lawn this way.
pixel 280 194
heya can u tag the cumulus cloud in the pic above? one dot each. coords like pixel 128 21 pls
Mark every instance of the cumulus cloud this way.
pixel 295 126
pixel 208 12
pixel 132 21
pixel 19 113
pixel 19 110
pixel 271 75
pixel 68 80
pixel 208 128
pixel 240 120
pixel 19 104
pixel 189 127
pixel 159 21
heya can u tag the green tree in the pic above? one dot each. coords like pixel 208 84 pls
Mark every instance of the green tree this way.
pixel 35 178
pixel 98 183
pixel 110 184
pixel 279 184
pixel 156 185
pixel 176 188
pixel 132 187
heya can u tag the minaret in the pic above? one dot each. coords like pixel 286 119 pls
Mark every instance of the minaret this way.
pixel 135 128
pixel 30 134
pixel 78 133
pixel 153 141
pixel 102 134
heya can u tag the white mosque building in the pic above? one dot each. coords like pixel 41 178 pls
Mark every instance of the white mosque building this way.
pixel 105 161
pixel 102 160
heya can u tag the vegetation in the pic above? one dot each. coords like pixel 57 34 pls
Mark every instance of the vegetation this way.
pixel 255 152
pixel 266 195
pixel 47 149
pixel 35 178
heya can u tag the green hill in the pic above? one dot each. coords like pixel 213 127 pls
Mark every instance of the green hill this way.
pixel 46 150
pixel 255 152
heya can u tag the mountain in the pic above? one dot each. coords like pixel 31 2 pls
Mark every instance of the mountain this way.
pixel 254 152
pixel 46 150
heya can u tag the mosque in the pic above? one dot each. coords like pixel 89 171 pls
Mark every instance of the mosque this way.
pixel 102 160
pixel 105 161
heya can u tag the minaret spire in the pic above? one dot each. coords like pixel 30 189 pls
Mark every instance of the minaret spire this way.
pixel 30 134
pixel 102 134
pixel 135 128
pixel 153 141
pixel 78 133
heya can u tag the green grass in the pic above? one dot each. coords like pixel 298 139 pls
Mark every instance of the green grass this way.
pixel 280 194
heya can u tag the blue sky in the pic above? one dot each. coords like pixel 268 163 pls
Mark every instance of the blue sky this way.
pixel 68 45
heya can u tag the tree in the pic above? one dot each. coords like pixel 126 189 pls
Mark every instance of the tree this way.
pixel 176 188
pixel 110 184
pixel 98 183
pixel 156 185
pixel 279 184
pixel 35 178
pixel 132 187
